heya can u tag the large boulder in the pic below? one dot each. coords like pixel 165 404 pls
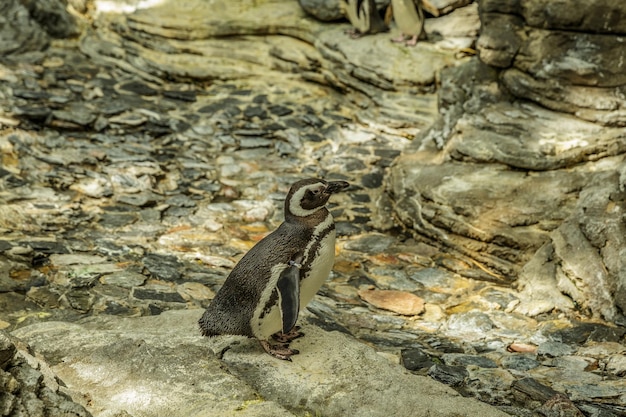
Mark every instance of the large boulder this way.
pixel 522 178
pixel 27 26
pixel 28 387
pixel 567 56
pixel 160 365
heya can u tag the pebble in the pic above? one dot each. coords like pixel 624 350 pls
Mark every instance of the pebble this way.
pixel 399 302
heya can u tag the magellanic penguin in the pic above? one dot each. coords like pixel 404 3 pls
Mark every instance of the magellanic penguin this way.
pixel 278 277
pixel 363 15
pixel 409 17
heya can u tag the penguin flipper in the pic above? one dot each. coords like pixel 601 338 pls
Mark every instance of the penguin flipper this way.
pixel 288 286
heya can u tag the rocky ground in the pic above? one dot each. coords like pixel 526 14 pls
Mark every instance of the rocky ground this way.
pixel 129 195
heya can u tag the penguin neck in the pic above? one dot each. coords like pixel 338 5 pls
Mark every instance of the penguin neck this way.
pixel 309 221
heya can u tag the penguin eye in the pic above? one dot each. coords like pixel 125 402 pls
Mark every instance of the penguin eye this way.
pixel 316 191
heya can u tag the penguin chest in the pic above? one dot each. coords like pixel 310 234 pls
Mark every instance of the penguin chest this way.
pixel 321 263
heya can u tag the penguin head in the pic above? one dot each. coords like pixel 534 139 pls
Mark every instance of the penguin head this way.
pixel 308 196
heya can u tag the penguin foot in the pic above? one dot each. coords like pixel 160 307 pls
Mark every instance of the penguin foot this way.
pixel 399 39
pixel 412 41
pixel 289 336
pixel 353 33
pixel 280 351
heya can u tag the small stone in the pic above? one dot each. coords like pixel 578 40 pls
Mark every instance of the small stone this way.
pixel 139 88
pixel 519 362
pixel 195 291
pixel 521 347
pixel 7 350
pixel 279 110
pixel 453 376
pixel 75 259
pixel 255 111
pixel 400 302
pixel 554 349
pixel 186 96
pixel 44 297
pixel 466 360
pixel 142 199
pixel 164 267
pixel 616 365
pixel 79 299
pixel 474 323
pixel 247 143
pixel 129 119
pixel 125 279
pixel 372 180
pixel 156 294
pixel 372 243
pixel 414 359
pixel 75 114
pixel 561 406
pixel 93 187
pixel 530 389
pixel 257 214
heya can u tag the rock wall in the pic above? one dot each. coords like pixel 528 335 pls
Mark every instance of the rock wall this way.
pixel 568 56
pixel 523 177
pixel 29 387
pixel 29 25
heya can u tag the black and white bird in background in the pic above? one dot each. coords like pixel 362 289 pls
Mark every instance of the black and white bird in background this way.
pixel 265 291
pixel 409 17
pixel 364 17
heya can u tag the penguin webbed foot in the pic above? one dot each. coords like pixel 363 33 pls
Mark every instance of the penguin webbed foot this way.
pixel 353 33
pixel 294 333
pixel 412 41
pixel 280 351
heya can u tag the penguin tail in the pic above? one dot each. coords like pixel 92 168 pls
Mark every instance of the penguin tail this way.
pixel 205 327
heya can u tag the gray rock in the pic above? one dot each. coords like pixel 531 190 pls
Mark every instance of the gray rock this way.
pixel 542 49
pixel 370 243
pixel 520 362
pixel 458 359
pixel 164 267
pixel 454 376
pixel 385 76
pixel 164 357
pixel 29 386
pixel 554 349
pixel 526 389
pixel 415 359
pixel 500 39
pixel 601 16
pixel 18 32
pixel 53 16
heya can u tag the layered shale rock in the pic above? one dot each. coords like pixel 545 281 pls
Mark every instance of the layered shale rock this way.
pixel 522 178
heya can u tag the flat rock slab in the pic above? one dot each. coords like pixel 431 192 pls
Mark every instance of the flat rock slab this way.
pixel 159 365
pixel 276 40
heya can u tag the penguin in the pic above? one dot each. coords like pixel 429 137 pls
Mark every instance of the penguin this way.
pixel 409 17
pixel 262 295
pixel 363 15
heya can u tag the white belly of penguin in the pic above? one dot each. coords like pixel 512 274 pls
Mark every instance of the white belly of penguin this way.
pixel 320 268
pixel 406 17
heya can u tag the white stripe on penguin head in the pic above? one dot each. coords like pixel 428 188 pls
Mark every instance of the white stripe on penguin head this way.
pixel 294 204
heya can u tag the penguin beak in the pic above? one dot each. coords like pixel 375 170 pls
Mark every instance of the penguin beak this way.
pixel 336 186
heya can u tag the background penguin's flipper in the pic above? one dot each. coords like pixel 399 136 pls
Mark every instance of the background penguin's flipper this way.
pixel 288 286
